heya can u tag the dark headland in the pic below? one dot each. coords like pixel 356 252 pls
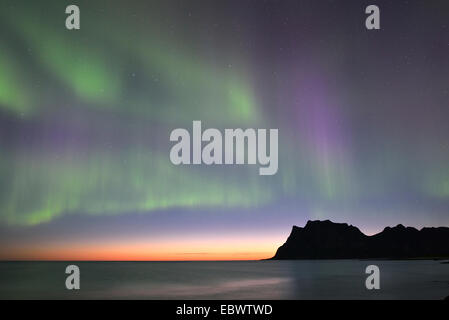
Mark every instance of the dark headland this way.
pixel 329 240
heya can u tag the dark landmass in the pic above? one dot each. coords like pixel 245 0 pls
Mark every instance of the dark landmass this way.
pixel 329 240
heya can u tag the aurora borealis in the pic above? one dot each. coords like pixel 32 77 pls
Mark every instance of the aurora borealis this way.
pixel 86 115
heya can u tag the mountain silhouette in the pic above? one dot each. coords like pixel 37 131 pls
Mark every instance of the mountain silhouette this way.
pixel 329 240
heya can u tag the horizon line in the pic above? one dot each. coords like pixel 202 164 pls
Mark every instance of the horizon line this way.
pixel 88 260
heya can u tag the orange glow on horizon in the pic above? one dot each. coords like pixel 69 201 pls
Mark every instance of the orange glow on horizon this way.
pixel 216 249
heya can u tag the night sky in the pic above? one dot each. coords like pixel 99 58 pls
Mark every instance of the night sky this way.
pixel 86 115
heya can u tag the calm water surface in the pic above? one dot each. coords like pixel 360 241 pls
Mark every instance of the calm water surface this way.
pixel 324 279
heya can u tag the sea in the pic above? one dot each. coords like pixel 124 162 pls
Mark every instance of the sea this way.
pixel 297 279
